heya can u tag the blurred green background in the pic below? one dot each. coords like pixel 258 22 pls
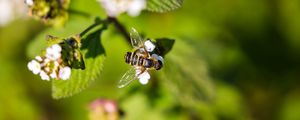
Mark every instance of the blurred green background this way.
pixel 232 60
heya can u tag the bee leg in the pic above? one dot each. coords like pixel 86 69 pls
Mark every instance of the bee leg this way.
pixel 143 69
pixel 146 53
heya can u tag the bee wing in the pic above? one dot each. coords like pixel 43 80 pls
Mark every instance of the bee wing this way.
pixel 136 39
pixel 127 78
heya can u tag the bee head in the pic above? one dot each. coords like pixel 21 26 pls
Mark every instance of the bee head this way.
pixel 158 65
pixel 73 43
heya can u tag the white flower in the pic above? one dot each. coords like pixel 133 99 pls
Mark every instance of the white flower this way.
pixel 157 57
pixel 34 66
pixel 114 8
pixel 29 2
pixel 53 52
pixel 149 46
pixel 144 77
pixel 44 75
pixel 65 73
pixel 136 7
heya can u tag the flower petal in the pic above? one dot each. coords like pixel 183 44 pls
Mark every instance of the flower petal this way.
pixel 34 66
pixel 65 73
pixel 53 75
pixel 44 75
pixel 56 48
pixel 149 46
pixel 39 58
pixel 53 52
pixel 136 7
pixel 29 2
pixel 113 8
pixel 144 78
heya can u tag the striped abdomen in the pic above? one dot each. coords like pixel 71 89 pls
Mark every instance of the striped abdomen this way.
pixel 136 60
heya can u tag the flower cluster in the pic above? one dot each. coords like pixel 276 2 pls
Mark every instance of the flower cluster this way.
pixel 114 8
pixel 53 12
pixel 51 65
pixel 101 109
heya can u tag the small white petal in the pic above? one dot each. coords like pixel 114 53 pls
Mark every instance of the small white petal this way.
pixel 34 66
pixel 39 58
pixel 65 73
pixel 29 2
pixel 158 57
pixel 136 7
pixel 149 46
pixel 56 47
pixel 53 75
pixel 47 60
pixel 53 52
pixel 47 69
pixel 143 81
pixel 44 75
pixel 56 64
pixel 144 78
pixel 113 7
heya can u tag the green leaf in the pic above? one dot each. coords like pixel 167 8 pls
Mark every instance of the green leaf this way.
pixel 164 45
pixel 186 75
pixel 79 20
pixel 163 5
pixel 94 55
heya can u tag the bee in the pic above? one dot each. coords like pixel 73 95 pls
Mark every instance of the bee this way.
pixel 140 59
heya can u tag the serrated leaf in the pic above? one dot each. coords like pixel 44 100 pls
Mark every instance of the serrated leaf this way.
pixel 186 74
pixel 163 5
pixel 94 56
pixel 79 20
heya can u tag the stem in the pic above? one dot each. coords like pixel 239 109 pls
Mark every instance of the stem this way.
pixel 109 20
pixel 97 22
pixel 121 28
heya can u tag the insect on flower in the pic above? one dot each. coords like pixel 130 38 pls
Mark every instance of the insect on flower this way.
pixel 141 60
pixel 58 59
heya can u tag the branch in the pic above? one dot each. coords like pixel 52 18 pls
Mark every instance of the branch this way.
pixel 120 27
pixel 97 22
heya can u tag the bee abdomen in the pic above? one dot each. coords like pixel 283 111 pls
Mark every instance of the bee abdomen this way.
pixel 131 58
pixel 135 59
pixel 140 62
pixel 127 57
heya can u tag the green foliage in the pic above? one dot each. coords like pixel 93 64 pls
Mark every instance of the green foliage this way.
pixel 223 65
pixel 94 56
pixel 163 5
pixel 92 50
pixel 183 67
